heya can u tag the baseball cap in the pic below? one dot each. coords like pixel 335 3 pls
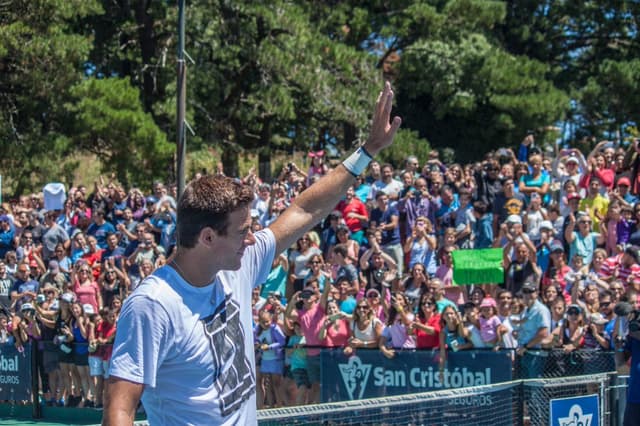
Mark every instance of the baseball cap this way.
pixel 624 181
pixel 27 307
pixel 488 302
pixel 572 159
pixel 573 196
pixel 556 246
pixel 514 218
pixel 529 286
pixel 54 266
pixel 4 218
pixel 372 292
pixel 546 224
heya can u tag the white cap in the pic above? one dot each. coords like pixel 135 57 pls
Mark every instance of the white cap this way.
pixel 546 224
pixel 514 218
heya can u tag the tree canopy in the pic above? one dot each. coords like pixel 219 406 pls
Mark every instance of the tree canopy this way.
pixel 99 77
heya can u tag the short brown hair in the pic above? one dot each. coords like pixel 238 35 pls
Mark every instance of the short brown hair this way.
pixel 207 202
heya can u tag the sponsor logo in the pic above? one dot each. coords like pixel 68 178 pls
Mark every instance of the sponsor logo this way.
pixel 355 376
pixel 576 417
pixel 9 364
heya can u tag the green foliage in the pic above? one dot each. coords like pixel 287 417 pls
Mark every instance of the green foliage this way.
pixel 110 122
pixel 42 49
pixel 406 143
pixel 280 77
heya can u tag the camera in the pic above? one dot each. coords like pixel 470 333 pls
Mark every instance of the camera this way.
pixel 634 321
pixel 290 166
pixel 417 193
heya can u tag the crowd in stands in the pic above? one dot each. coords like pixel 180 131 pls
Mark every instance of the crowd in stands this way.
pixel 377 274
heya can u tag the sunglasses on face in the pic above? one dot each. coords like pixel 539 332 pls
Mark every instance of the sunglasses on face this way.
pixel 372 296
pixel 365 307
pixel 527 291
pixel 427 304
pixel 573 312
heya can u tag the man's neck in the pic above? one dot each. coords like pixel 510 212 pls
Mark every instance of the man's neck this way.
pixel 189 266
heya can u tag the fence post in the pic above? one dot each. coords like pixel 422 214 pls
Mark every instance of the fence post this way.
pixel 36 409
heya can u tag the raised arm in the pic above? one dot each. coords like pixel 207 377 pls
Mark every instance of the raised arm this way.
pixel 320 198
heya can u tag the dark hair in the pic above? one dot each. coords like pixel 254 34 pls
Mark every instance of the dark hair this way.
pixel 207 202
pixel 480 206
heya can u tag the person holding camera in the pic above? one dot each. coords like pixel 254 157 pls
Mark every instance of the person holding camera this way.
pixel 488 182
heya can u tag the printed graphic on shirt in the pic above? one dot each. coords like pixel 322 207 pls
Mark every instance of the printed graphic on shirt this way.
pixel 233 377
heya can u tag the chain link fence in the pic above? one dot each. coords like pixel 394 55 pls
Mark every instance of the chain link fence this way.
pixel 557 363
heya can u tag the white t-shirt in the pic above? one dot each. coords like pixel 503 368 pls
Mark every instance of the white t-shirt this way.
pixel 192 347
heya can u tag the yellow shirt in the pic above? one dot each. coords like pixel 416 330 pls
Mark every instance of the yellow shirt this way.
pixel 598 204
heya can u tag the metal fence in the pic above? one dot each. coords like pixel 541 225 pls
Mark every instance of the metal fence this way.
pixel 519 402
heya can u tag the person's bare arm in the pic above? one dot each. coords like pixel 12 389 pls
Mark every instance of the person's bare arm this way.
pixel 121 401
pixel 320 198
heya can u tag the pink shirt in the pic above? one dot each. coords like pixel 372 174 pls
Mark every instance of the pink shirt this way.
pixel 311 321
pixel 489 328
pixel 87 294
pixel 337 338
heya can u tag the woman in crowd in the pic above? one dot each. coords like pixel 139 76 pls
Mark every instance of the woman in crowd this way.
pixel 60 256
pixel 421 245
pixel 453 335
pixel 535 181
pixel 588 299
pixel 397 334
pixel 595 271
pixel 365 327
pixel 415 285
pixel 427 327
pixel 298 261
pixel 84 286
pixel 550 293
pixel 113 282
pixel 80 337
pixel 318 272
pixel 335 328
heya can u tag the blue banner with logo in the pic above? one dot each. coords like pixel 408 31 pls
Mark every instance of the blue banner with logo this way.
pixel 15 373
pixel 576 411
pixel 369 374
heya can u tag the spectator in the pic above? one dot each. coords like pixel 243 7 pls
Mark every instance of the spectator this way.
pixel 299 261
pixel 7 235
pixel 415 204
pixel 24 288
pixel 536 181
pixel 269 341
pixel 366 328
pixel 397 333
pixel 427 326
pixel 533 332
pixel 421 245
pixel 85 287
pixel 6 284
pixel 100 228
pixel 354 213
pixel 453 335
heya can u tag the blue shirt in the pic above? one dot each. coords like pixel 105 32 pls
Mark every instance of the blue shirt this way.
pixel 392 236
pixel 537 317
pixel 100 232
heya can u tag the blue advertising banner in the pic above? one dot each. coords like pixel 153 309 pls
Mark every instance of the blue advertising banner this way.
pixel 369 374
pixel 15 373
pixel 576 411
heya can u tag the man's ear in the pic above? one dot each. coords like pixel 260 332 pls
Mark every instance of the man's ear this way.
pixel 207 236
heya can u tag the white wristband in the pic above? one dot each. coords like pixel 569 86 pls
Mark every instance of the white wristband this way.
pixel 357 162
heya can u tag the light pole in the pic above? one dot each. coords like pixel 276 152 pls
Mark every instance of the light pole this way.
pixel 181 102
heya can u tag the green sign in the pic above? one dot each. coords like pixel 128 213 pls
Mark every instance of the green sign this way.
pixel 478 266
